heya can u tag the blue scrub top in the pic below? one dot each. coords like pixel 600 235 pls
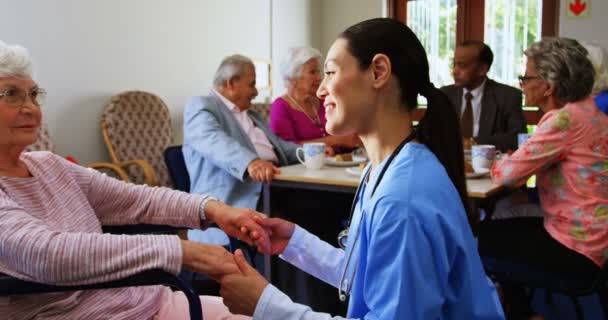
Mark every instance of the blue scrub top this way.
pixel 415 256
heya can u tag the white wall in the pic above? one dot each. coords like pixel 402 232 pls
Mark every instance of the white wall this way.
pixel 314 23
pixel 87 51
pixel 294 23
pixel 588 29
pixel 337 15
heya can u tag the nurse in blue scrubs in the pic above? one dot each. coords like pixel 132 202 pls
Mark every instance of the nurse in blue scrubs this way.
pixel 409 250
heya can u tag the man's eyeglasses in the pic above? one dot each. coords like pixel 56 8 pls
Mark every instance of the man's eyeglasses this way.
pixel 16 98
pixel 524 79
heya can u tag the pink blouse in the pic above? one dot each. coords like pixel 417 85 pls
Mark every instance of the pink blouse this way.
pixel 569 155
pixel 50 232
pixel 293 125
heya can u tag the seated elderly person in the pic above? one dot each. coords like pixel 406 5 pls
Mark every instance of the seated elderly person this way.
pixel 51 213
pixel 229 150
pixel 598 56
pixel 298 115
pixel 568 154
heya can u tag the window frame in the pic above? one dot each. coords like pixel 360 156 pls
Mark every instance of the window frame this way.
pixel 471 26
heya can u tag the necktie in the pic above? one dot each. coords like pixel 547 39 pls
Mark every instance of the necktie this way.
pixel 466 121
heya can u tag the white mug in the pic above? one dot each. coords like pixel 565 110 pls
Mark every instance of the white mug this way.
pixel 483 156
pixel 314 155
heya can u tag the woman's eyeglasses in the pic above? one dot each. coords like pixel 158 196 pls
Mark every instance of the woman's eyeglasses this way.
pixel 16 98
pixel 524 79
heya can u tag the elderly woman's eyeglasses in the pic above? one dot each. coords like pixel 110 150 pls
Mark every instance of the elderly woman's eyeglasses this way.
pixel 524 79
pixel 16 98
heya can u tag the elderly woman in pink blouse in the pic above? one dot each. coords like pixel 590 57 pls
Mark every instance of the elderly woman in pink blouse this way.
pixel 51 213
pixel 298 115
pixel 569 155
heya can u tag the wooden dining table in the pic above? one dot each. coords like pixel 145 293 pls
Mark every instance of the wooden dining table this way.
pixel 336 178
pixel 319 200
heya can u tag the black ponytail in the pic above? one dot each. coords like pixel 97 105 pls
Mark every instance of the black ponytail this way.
pixel 439 130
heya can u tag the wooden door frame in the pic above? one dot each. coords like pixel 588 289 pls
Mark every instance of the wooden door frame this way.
pixel 470 25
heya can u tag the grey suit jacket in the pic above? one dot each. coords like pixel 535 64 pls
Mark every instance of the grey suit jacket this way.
pixel 217 151
pixel 501 118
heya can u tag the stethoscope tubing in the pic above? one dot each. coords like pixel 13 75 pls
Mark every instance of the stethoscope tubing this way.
pixel 343 294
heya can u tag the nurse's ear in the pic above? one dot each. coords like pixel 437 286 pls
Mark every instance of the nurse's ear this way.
pixel 380 70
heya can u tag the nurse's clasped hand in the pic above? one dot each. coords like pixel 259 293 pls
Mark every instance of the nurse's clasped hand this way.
pixel 279 233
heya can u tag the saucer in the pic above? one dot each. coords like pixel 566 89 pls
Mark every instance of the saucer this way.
pixel 476 175
pixel 331 161
pixel 355 171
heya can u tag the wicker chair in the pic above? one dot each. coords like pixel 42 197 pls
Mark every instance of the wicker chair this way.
pixel 45 143
pixel 136 128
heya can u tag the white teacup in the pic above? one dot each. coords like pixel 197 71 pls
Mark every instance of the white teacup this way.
pixel 314 155
pixel 482 156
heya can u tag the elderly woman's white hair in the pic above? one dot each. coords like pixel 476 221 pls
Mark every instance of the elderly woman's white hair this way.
pixel 295 59
pixel 15 61
pixel 598 56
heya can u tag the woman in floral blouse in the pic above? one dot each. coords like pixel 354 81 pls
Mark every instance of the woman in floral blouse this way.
pixel 569 155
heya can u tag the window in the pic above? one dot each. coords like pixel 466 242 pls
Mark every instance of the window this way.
pixel 507 26
pixel 434 22
pixel 510 25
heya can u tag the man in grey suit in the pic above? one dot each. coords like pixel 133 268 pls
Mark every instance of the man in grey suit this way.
pixel 490 112
pixel 229 150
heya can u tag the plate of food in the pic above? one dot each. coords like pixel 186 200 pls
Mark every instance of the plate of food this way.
pixel 480 173
pixel 344 160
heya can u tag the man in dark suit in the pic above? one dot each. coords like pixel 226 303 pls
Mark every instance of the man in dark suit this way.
pixel 490 112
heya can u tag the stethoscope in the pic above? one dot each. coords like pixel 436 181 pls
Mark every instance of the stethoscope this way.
pixel 345 286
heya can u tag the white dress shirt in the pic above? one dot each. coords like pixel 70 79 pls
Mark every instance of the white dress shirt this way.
pixel 475 103
pixel 262 145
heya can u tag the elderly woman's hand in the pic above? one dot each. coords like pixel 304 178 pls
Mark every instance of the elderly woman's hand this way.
pixel 211 260
pixel 241 291
pixel 232 220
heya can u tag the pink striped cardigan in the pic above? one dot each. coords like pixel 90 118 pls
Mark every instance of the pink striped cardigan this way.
pixel 50 232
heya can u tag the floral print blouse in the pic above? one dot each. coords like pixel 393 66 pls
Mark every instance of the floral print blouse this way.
pixel 569 155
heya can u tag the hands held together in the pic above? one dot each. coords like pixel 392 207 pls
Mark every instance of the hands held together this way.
pixel 241 284
pixel 242 290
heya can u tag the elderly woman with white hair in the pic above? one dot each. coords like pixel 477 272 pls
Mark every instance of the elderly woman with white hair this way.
pixel 52 211
pixel 568 153
pixel 298 115
pixel 598 56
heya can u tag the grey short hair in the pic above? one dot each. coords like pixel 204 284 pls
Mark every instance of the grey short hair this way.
pixel 15 61
pixel 231 67
pixel 598 56
pixel 296 57
pixel 563 63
